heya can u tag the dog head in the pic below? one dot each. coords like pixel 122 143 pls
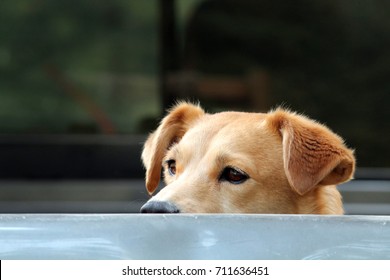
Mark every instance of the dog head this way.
pixel 234 162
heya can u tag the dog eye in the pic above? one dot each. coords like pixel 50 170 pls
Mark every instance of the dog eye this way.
pixel 171 167
pixel 233 175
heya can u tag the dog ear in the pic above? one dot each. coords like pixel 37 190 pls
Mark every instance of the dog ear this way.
pixel 171 130
pixel 312 154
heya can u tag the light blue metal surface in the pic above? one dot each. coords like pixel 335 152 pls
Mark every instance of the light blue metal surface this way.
pixel 134 236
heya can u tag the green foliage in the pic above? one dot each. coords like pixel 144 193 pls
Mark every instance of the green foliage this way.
pixel 86 41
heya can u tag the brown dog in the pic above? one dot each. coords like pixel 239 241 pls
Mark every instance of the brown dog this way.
pixel 234 162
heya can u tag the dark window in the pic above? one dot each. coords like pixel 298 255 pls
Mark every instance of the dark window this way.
pixel 82 83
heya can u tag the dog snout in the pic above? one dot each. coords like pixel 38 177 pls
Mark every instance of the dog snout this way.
pixel 159 207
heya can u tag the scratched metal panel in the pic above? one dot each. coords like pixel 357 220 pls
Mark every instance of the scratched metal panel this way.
pixel 134 236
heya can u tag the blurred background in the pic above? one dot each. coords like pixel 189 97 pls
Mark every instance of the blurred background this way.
pixel 82 83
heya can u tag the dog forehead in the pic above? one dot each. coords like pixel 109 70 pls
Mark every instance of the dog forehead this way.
pixel 237 139
pixel 224 127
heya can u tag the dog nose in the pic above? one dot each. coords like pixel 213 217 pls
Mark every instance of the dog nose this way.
pixel 159 207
